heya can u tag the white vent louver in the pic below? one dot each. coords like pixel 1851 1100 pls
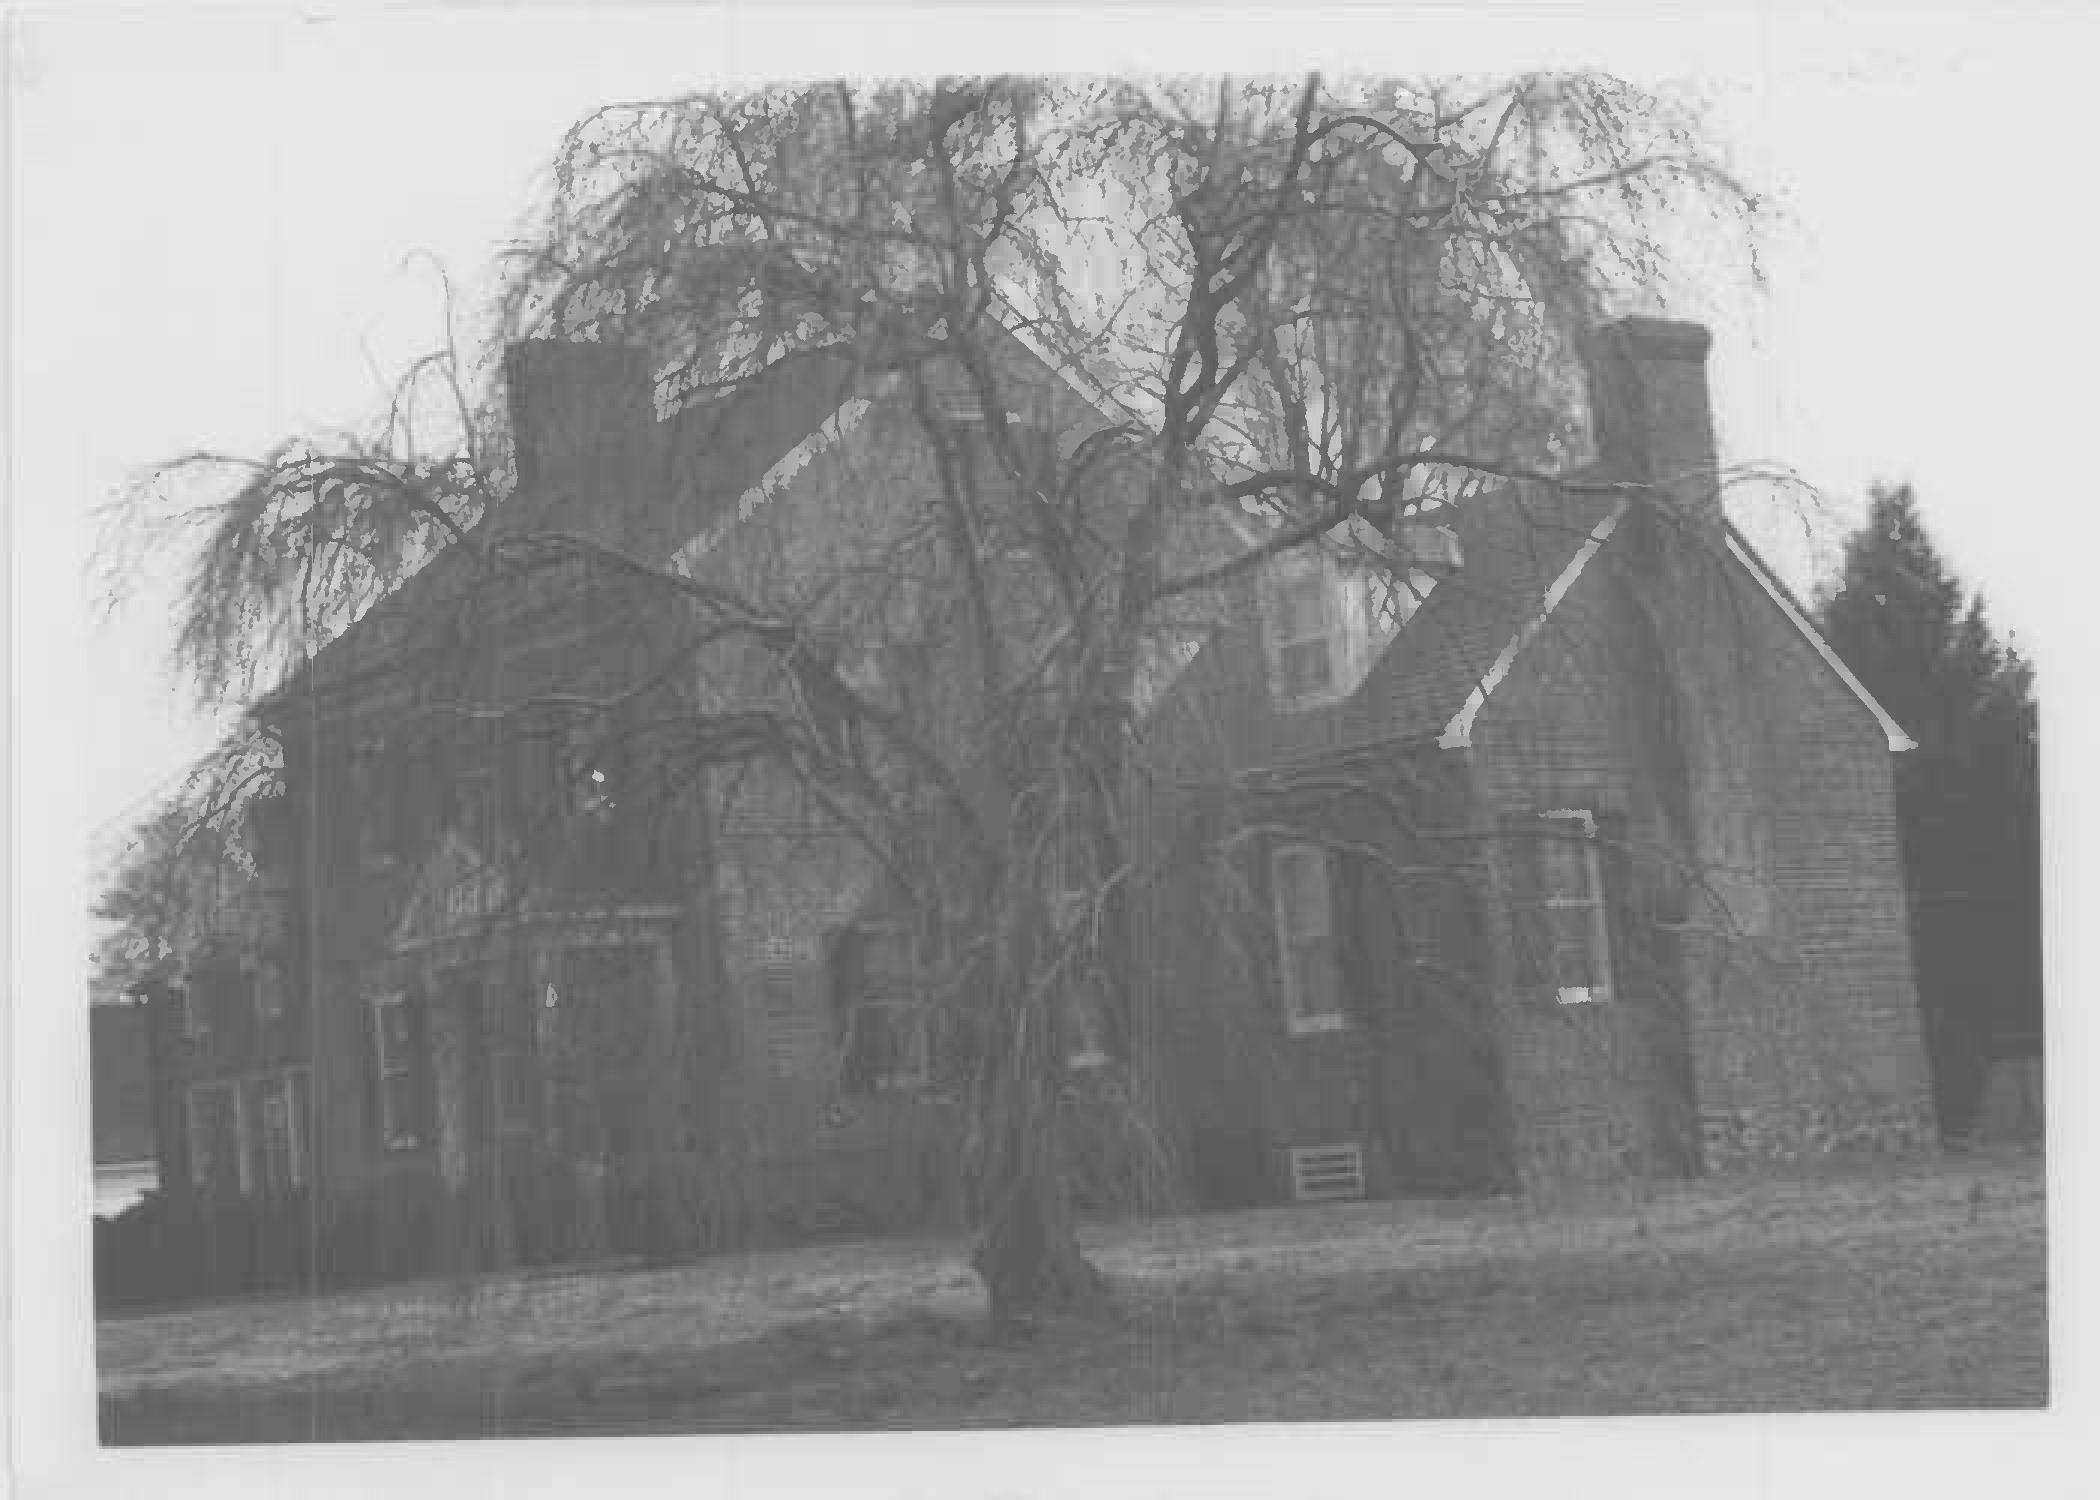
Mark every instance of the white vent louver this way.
pixel 1321 1174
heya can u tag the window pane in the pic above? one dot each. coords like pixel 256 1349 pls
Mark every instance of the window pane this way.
pixel 888 962
pixel 1302 612
pixel 1301 892
pixel 1574 933
pixel 399 1103
pixel 512 1101
pixel 393 1033
pixel 276 1115
pixel 1318 978
pixel 1566 867
pixel 214 1140
pixel 1307 668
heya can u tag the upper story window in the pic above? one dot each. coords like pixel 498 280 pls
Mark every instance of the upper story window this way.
pixel 1306 633
pixel 1303 889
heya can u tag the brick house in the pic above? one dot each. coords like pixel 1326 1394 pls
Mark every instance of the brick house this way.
pixel 1573 857
pixel 1590 866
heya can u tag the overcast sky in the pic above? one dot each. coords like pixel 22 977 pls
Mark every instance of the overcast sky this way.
pixel 226 231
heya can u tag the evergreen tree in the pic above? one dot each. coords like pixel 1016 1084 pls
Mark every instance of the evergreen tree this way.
pixel 1968 798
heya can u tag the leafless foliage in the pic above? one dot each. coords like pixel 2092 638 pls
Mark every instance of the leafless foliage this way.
pixel 1291 304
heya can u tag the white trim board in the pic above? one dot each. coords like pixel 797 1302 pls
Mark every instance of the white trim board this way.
pixel 1458 734
pixel 1898 740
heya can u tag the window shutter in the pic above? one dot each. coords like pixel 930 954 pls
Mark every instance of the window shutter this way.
pixel 1531 938
pixel 368 1078
pixel 1362 934
pixel 424 1089
pixel 1630 963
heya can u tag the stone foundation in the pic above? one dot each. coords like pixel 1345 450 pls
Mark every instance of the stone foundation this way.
pixel 1747 1140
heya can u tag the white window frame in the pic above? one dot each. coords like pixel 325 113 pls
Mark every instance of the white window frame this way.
pixel 1591 899
pixel 1288 577
pixel 395 1135
pixel 1297 1019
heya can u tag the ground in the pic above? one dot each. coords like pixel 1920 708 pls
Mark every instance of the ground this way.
pixel 1919 1284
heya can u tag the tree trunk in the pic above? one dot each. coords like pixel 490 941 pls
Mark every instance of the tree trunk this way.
pixel 1028 1253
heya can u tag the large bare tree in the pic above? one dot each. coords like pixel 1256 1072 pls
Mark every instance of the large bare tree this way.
pixel 1299 309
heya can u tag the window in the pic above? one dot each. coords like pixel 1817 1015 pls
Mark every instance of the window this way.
pixel 1088 1042
pixel 1311 957
pixel 1086 1016
pixel 887 1041
pixel 510 1086
pixel 265 981
pixel 1305 634
pixel 886 1050
pixel 217 1165
pixel 1577 927
pixel 195 1024
pixel 393 1043
pixel 281 1111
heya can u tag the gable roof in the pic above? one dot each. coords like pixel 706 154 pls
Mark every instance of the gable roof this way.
pixel 1525 547
pixel 1739 546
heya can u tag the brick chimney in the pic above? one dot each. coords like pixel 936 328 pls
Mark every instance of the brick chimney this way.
pixel 1650 412
pixel 584 420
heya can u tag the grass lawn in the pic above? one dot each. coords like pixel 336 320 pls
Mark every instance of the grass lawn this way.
pixel 1912 1285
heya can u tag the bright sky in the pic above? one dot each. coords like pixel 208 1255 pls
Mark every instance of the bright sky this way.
pixel 225 228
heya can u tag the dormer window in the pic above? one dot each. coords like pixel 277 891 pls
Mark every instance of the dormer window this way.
pixel 1307 635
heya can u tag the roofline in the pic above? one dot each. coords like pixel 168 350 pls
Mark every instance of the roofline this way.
pixel 1246 778
pixel 1458 734
pixel 1745 554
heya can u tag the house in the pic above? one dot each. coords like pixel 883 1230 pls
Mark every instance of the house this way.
pixel 1557 847
pixel 1590 866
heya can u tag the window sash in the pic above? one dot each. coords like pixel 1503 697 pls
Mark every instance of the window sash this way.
pixel 213 1118
pixel 194 1022
pixel 281 1130
pixel 393 1051
pixel 1089 1021
pixel 1577 920
pixel 906 1060
pixel 1305 631
pixel 510 1091
pixel 1311 954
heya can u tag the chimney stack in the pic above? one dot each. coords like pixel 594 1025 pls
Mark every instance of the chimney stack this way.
pixel 1650 413
pixel 584 418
